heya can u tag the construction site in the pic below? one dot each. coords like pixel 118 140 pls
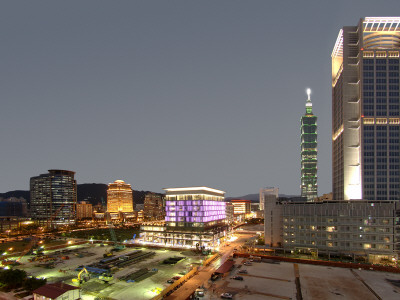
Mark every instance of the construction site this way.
pixel 139 272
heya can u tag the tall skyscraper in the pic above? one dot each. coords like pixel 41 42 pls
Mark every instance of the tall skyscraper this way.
pixel 53 198
pixel 309 187
pixel 365 111
pixel 119 197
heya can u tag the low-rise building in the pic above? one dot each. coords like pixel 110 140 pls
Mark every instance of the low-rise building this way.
pixel 13 206
pixel 241 209
pixel 370 229
pixel 57 291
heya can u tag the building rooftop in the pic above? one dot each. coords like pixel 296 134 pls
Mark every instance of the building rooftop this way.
pixel 195 188
pixel 54 290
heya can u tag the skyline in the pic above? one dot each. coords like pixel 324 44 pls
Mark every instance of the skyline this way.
pixel 163 95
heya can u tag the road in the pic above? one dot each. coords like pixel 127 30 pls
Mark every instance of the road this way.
pixel 204 274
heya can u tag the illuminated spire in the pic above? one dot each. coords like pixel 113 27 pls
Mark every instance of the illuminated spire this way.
pixel 309 186
pixel 308 102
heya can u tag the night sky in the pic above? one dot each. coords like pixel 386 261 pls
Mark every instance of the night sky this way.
pixel 168 93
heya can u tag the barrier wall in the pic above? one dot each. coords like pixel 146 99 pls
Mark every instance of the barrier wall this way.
pixel 208 261
pixel 176 284
pixel 325 263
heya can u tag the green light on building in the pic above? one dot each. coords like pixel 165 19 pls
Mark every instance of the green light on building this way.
pixel 309 187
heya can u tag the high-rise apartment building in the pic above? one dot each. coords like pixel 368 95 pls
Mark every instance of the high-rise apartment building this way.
pixel 365 111
pixel 309 187
pixel 84 210
pixel 53 198
pixel 119 197
pixel 154 207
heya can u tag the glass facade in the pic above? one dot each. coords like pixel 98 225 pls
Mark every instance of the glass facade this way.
pixel 194 208
pixel 381 129
pixel 309 187
pixel 53 198
pixel 365 111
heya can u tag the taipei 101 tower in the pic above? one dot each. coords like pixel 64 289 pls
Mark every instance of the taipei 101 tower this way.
pixel 309 187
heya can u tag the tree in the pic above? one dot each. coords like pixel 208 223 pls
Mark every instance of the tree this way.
pixel 31 284
pixel 12 278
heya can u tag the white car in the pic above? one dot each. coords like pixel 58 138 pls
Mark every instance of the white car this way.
pixel 226 296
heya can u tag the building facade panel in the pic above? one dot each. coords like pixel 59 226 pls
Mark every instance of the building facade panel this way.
pixel 365 111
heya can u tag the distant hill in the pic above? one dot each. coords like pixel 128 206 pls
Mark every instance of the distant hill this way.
pixel 17 194
pixel 91 192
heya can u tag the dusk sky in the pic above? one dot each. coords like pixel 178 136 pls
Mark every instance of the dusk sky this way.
pixel 168 93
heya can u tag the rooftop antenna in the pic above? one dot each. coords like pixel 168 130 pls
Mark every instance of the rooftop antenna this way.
pixel 308 93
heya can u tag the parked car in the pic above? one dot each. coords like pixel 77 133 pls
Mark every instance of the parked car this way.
pixel 182 273
pixel 170 281
pixel 176 277
pixel 214 277
pixel 199 292
pixel 226 296
pixel 247 263
pixel 242 271
pixel 237 278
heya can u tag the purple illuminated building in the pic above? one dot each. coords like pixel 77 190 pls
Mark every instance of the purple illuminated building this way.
pixel 194 207
pixel 195 218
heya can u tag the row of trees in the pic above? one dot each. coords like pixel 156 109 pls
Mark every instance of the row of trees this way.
pixel 14 278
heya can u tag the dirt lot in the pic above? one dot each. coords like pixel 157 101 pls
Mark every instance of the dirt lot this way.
pixel 277 281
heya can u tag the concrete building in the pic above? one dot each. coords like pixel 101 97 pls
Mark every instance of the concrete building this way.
pixel 195 218
pixel 370 229
pixel 53 198
pixel 154 207
pixel 309 187
pixel 365 110
pixel 230 217
pixel 84 210
pixel 266 193
pixel 272 218
pixel 119 197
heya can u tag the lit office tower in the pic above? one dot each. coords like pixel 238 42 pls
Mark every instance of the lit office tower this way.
pixel 119 197
pixel 365 110
pixel 309 187
pixel 53 198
